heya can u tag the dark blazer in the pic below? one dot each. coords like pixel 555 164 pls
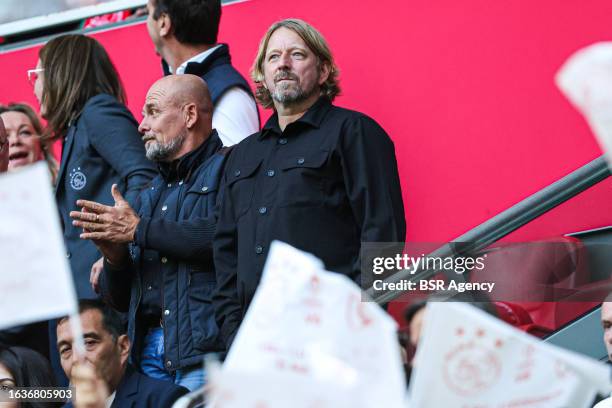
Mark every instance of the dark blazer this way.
pixel 139 391
pixel 181 239
pixel 101 147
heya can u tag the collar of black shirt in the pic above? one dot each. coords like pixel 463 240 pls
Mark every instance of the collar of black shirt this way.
pixel 181 168
pixel 313 117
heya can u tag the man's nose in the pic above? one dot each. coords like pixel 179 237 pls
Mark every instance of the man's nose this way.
pixel 284 61
pixel 74 358
pixel 142 127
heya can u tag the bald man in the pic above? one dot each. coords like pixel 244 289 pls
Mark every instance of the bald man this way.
pixel 4 154
pixel 158 262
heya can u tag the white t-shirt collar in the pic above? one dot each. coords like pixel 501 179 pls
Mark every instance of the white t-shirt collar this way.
pixel 196 58
pixel 110 399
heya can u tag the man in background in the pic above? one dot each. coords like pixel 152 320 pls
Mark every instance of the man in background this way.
pixel 606 323
pixel 107 347
pixel 184 33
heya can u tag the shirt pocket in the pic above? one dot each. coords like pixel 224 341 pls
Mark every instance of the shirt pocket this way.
pixel 241 185
pixel 200 200
pixel 204 329
pixel 303 178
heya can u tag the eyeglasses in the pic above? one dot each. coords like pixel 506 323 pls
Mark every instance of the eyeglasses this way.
pixel 33 75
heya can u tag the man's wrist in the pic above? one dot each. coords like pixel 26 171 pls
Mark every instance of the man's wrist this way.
pixel 114 264
pixel 119 259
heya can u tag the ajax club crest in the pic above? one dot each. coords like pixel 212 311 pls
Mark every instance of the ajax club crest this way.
pixel 77 179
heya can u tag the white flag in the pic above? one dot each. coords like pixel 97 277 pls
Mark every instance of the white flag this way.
pixel 467 358
pixel 586 80
pixel 35 279
pixel 309 340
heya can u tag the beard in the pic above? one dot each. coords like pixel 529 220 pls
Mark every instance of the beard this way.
pixel 290 92
pixel 159 152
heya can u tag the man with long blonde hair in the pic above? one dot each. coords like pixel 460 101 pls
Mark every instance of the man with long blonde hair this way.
pixel 321 178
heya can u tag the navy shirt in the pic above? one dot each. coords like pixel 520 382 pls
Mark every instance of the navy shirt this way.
pixel 325 184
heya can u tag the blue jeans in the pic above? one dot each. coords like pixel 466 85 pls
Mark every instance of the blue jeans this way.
pixel 152 363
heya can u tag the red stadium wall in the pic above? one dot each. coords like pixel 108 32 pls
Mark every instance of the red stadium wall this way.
pixel 465 89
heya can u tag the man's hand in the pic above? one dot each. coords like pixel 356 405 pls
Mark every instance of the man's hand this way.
pixel 94 276
pixel 90 390
pixel 100 222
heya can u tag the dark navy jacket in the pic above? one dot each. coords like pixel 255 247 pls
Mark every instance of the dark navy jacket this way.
pixel 182 239
pixel 139 391
pixel 218 73
pixel 101 147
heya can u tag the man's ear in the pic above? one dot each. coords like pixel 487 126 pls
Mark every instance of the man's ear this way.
pixel 190 113
pixel 124 347
pixel 325 71
pixel 164 24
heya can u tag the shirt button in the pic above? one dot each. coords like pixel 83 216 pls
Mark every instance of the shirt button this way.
pixel 204 188
pixel 68 255
pixel 167 312
pixel 282 141
pixel 237 173
pixel 263 210
pixel 169 184
pixel 258 249
pixel 152 188
pixel 270 173
pixel 300 160
pixel 168 363
pixel 150 288
pixel 181 183
pixel 164 208
pixel 164 259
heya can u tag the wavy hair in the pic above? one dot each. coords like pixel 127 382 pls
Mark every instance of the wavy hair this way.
pixel 317 44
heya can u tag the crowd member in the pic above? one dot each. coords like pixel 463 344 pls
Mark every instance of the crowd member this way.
pixel 414 317
pixel 20 145
pixel 22 367
pixel 184 33
pixel 167 284
pixel 606 323
pixel 82 98
pixel 4 148
pixel 24 134
pixel 415 313
pixel 319 177
pixel 107 349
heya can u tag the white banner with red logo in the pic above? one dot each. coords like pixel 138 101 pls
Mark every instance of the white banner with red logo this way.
pixel 586 80
pixel 309 341
pixel 467 358
pixel 35 279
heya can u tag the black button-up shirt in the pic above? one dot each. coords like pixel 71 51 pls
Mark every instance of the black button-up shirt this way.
pixel 325 184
